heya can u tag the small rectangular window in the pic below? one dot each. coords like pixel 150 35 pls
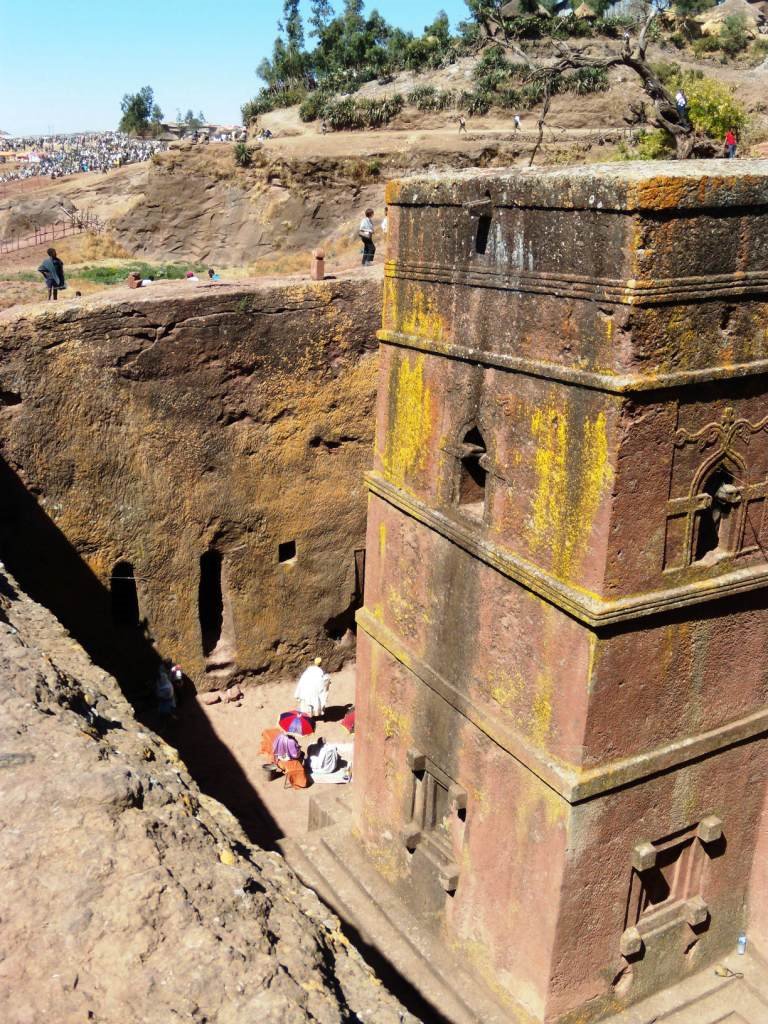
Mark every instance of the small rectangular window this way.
pixel 286 552
pixel 483 230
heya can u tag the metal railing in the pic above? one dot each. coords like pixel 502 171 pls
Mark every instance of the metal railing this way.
pixel 76 225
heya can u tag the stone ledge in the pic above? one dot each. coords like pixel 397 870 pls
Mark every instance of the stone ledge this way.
pixel 666 186
pixel 623 291
pixel 588 608
pixel 573 785
pixel 618 384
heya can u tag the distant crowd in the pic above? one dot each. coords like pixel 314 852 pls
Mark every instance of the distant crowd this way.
pixel 53 156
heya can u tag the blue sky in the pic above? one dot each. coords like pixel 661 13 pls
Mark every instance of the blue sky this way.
pixel 65 64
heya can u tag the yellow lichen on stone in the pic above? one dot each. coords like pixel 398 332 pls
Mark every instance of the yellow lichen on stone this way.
pixel 505 688
pixel 411 421
pixel 394 723
pixel 571 476
pixel 541 710
pixel 382 539
pixel 422 318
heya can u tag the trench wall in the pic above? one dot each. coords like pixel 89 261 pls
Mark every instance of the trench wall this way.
pixel 159 426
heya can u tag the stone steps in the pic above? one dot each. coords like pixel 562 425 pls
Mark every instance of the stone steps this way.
pixel 706 998
pixel 401 950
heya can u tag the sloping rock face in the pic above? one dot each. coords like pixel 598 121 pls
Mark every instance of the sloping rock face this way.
pixel 204 447
pixel 126 895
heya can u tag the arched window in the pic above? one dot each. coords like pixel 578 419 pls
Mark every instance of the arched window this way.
pixel 713 533
pixel 125 598
pixel 473 473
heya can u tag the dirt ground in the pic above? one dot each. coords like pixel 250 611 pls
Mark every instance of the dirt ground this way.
pixel 220 743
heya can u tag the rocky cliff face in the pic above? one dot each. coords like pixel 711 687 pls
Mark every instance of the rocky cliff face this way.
pixel 127 896
pixel 186 463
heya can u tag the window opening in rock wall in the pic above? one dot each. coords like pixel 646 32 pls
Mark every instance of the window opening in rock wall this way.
pixel 125 597
pixel 712 533
pixel 211 600
pixel 473 473
pixel 286 552
pixel 483 231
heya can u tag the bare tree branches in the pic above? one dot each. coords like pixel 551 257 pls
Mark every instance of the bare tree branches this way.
pixel 632 55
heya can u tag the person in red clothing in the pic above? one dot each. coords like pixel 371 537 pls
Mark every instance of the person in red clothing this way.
pixel 730 144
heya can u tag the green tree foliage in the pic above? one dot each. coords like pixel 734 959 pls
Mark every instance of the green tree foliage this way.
pixel 320 16
pixel 733 36
pixel 192 120
pixel 712 106
pixel 352 47
pixel 137 110
pixel 689 8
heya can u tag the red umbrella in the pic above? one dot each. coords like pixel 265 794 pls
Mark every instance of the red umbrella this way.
pixel 348 721
pixel 296 722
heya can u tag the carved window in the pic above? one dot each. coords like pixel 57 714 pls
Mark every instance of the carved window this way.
pixel 473 473
pixel 481 237
pixel 666 884
pixel 714 528
pixel 437 817
pixel 722 514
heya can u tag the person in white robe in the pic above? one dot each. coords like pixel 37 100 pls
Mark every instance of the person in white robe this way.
pixel 312 690
pixel 326 765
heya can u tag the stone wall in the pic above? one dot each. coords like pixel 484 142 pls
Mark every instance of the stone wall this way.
pixel 562 672
pixel 229 424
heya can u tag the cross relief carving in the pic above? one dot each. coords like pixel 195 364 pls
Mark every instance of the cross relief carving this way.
pixel 709 523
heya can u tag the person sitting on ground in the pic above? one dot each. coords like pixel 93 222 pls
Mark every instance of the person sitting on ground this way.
pixel 52 270
pixel 288 756
pixel 286 748
pixel 325 763
pixel 191 276
pixel 366 233
pixel 312 690
pixel 212 275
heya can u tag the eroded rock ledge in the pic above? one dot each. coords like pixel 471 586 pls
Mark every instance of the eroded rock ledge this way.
pixel 127 895
pixel 145 430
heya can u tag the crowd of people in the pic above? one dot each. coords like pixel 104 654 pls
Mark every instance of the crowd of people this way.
pixel 54 156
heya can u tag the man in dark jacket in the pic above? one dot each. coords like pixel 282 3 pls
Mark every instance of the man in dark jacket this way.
pixel 52 270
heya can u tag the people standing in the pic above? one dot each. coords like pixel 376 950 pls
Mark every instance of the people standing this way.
pixel 730 143
pixel 462 124
pixel 312 690
pixel 366 233
pixel 52 270
pixel 681 102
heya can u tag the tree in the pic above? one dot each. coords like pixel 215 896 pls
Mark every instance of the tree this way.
pixel 192 120
pixel 321 15
pixel 292 25
pixel 137 109
pixel 712 107
pixel 687 140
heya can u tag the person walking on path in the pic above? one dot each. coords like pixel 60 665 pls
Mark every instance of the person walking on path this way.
pixel 366 233
pixel 52 270
pixel 462 124
pixel 730 144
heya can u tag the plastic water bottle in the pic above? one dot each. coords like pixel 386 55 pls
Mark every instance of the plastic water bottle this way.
pixel 741 945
